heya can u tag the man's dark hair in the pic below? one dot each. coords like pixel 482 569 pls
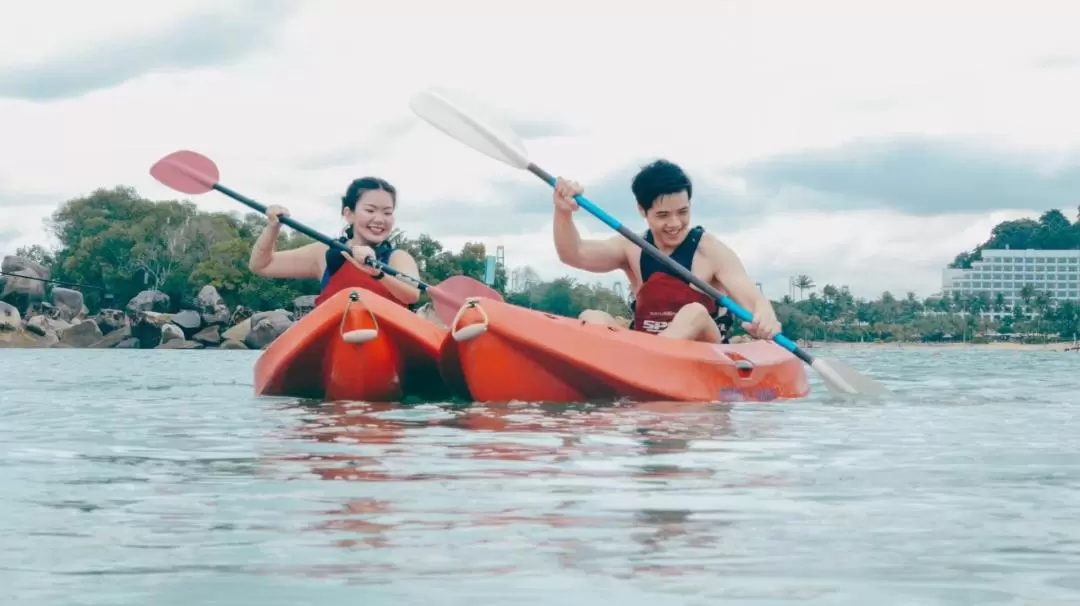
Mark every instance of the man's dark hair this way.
pixel 660 178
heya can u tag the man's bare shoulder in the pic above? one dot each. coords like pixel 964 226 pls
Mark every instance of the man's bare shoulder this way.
pixel 714 247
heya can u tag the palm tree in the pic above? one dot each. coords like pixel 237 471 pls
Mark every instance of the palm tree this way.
pixel 803 282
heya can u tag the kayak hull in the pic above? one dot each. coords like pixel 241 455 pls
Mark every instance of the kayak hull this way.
pixel 356 345
pixel 509 353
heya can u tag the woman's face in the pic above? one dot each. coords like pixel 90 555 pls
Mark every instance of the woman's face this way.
pixel 374 216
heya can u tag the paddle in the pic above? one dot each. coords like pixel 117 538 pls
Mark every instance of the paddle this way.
pixel 193 173
pixel 477 127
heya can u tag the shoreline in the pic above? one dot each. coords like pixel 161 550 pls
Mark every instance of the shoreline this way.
pixel 997 346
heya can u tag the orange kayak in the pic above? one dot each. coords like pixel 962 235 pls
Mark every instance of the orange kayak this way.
pixel 504 352
pixel 356 345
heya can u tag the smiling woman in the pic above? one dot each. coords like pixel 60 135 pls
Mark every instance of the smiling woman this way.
pixel 368 207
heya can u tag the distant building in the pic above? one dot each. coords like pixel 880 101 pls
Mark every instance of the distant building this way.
pixel 1007 271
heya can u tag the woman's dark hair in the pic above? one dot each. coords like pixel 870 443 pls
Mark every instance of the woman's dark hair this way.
pixel 357 189
pixel 661 178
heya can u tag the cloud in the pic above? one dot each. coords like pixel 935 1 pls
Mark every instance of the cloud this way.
pixel 921 176
pixel 7 237
pixel 1058 62
pixel 209 38
pixel 808 161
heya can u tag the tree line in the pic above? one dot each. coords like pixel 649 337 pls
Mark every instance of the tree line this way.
pixel 124 243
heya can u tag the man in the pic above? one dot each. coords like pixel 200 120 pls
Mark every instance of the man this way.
pixel 663 303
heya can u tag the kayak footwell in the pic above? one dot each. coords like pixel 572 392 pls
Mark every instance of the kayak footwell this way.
pixel 507 353
pixel 356 345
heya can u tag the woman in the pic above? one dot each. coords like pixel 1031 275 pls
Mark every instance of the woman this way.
pixel 368 207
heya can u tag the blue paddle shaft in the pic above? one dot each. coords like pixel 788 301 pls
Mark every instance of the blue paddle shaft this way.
pixel 684 273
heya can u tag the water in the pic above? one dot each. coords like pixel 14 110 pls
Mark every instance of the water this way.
pixel 135 477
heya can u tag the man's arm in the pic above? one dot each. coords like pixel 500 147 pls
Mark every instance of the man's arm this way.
pixel 597 256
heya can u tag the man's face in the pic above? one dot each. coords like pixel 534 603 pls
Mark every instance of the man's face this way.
pixel 669 218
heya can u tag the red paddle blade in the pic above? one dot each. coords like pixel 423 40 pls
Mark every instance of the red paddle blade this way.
pixel 449 295
pixel 187 172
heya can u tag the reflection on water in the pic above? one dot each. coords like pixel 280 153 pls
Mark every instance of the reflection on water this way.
pixel 543 449
pixel 173 485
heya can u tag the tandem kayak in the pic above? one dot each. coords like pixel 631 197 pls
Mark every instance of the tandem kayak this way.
pixel 504 353
pixel 356 345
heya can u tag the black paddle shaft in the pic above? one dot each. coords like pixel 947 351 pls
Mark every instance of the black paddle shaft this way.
pixel 314 235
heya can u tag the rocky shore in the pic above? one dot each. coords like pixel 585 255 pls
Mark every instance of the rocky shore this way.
pixel 28 320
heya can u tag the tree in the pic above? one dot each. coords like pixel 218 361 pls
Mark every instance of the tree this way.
pixel 803 282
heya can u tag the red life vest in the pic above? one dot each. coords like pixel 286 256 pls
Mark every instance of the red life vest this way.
pixel 662 294
pixel 341 275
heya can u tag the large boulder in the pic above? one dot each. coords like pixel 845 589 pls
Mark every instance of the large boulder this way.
pixel 189 321
pixel 149 300
pixel 171 332
pixel 146 328
pixel 111 319
pixel 180 344
pixel 266 326
pixel 115 338
pixel 11 263
pixel 48 329
pixel 22 288
pixel 10 318
pixel 83 334
pixel 212 307
pixel 67 303
pixel 209 336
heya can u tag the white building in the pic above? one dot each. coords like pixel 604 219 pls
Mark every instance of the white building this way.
pixel 1007 271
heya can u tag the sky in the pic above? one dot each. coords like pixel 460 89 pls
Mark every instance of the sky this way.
pixel 859 143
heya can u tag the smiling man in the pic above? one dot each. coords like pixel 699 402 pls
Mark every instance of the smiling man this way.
pixel 663 303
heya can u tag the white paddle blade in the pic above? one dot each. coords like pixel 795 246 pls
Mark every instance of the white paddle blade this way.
pixel 470 123
pixel 841 378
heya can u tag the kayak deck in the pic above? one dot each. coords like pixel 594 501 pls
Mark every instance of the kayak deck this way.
pixel 506 353
pixel 356 345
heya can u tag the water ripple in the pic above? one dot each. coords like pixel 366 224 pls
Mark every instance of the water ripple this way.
pixel 155 477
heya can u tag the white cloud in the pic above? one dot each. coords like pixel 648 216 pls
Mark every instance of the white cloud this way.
pixel 708 87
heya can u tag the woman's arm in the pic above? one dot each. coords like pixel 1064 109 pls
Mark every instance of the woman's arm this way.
pixel 403 291
pixel 303 262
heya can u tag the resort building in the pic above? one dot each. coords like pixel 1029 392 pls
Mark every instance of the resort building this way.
pixel 1007 271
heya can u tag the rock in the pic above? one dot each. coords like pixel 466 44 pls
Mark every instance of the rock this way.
pixel 208 298
pixel 189 321
pixel 83 334
pixel 149 300
pixel 22 338
pixel 146 329
pixel 267 326
pixel 303 304
pixel 212 307
pixel 11 263
pixel 10 318
pixel 68 303
pixel 111 319
pixel 47 328
pixel 217 316
pixel 20 287
pixel 209 336
pixel 238 332
pixel 114 339
pixel 239 315
pixel 180 344
pixel 128 344
pixel 171 332
pixel 230 344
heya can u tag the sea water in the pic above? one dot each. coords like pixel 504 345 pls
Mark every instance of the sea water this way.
pixel 155 477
